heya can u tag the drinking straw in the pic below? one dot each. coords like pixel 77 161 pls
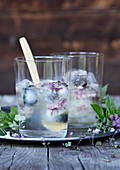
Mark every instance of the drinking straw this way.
pixel 30 60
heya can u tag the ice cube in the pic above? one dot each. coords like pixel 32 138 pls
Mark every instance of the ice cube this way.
pixel 92 82
pixel 63 92
pixel 44 93
pixel 79 78
pixel 30 96
pixel 24 83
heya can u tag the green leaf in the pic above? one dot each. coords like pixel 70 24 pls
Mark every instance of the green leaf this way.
pixel 98 143
pixel 118 110
pixel 105 120
pixel 109 122
pixel 103 93
pixel 5 116
pixel 13 111
pixel 110 106
pixel 48 143
pixel 68 144
pixel 7 120
pixel 99 110
pixel 2 132
pixel 116 146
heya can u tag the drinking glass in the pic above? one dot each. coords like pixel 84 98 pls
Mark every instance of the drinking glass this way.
pixel 45 105
pixel 85 88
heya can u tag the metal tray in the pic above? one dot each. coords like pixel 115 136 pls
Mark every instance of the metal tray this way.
pixel 41 139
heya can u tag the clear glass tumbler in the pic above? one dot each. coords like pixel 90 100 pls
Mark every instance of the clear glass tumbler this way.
pixel 44 105
pixel 85 88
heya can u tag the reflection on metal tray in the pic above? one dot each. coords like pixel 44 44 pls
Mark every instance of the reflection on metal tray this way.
pixel 41 139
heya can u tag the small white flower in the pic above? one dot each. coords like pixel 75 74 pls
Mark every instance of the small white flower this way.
pixel 8 135
pixel 95 131
pixel 112 130
pixel 89 130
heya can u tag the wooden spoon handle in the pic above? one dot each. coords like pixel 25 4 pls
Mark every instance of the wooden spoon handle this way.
pixel 30 60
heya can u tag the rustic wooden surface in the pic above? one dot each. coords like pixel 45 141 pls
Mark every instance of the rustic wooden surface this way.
pixel 34 156
pixel 29 157
pixel 60 25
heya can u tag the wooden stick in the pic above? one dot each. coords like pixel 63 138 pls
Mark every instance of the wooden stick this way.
pixel 30 60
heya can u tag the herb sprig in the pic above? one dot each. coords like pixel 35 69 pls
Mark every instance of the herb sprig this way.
pixel 10 121
pixel 108 117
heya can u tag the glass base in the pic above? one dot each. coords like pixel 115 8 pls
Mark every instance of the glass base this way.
pixel 77 129
pixel 77 126
pixel 45 133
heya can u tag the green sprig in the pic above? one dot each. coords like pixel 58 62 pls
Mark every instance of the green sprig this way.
pixel 104 123
pixel 10 121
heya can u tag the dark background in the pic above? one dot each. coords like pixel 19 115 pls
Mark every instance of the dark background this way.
pixel 60 25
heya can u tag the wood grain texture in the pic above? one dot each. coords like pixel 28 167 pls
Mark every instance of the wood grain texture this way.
pixel 6 156
pixel 38 5
pixel 23 157
pixel 63 158
pixel 92 158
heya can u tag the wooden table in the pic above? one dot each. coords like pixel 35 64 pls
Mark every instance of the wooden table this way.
pixel 35 156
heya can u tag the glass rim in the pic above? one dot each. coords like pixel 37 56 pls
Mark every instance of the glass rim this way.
pixel 72 54
pixel 40 59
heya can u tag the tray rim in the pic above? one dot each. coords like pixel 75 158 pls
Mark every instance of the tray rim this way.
pixel 42 139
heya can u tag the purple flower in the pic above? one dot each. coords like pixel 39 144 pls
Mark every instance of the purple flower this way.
pixel 58 106
pixel 44 84
pixel 17 135
pixel 116 116
pixel 116 121
pixel 78 93
pixel 111 117
pixel 70 134
pixel 20 136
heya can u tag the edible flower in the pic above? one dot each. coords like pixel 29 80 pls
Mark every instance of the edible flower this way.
pixel 116 121
pixel 96 131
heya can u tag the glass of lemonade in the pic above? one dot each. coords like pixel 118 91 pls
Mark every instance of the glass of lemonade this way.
pixel 85 88
pixel 44 105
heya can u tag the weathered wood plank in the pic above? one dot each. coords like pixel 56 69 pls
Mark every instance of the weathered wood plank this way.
pixel 38 5
pixel 112 77
pixel 24 157
pixel 6 155
pixel 63 158
pixel 73 31
pixel 92 159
